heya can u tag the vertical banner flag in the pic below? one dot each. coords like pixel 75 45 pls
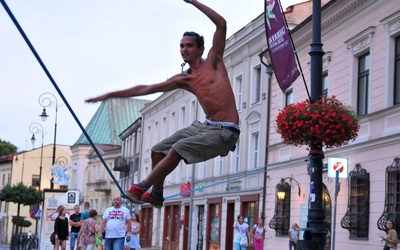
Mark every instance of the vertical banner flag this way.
pixel 280 46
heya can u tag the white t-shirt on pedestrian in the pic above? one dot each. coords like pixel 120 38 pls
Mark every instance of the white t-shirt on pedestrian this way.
pixel 116 221
pixel 240 231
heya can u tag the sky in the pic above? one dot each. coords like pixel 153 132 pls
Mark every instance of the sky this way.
pixel 92 47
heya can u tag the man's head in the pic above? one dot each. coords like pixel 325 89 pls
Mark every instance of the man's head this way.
pixel 76 209
pixel 86 206
pixel 191 46
pixel 199 39
pixel 117 201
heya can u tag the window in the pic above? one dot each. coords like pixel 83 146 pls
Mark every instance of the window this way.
pixel 183 117
pixel 356 219
pixel 254 149
pixel 325 84
pixel 397 72
pixel 362 84
pixel 235 166
pixel 281 220
pixel 35 180
pixel 219 166
pixel 249 212
pixel 238 92
pixel 359 47
pixel 392 198
pixel 213 223
pixel 288 97
pixel 256 86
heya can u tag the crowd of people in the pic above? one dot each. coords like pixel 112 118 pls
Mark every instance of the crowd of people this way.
pixel 118 230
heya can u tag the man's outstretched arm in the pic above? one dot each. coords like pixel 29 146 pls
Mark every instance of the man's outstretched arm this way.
pixel 219 38
pixel 139 90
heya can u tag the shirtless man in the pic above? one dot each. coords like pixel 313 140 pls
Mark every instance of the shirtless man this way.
pixel 208 80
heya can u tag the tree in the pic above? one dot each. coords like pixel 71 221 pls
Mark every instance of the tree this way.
pixel 7 148
pixel 20 194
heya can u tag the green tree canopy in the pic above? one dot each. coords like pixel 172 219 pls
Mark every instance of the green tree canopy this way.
pixel 20 194
pixel 6 148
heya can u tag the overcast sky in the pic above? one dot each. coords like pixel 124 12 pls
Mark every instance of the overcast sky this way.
pixel 91 47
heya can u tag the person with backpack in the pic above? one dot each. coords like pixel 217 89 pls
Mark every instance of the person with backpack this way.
pixel 258 233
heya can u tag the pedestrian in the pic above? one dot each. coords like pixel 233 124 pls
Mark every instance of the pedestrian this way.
pixel 85 213
pixel 61 230
pixel 134 233
pixel 53 216
pixel 240 237
pixel 293 236
pixel 89 228
pixel 116 220
pixel 208 80
pixel 258 233
pixel 75 223
pixel 391 238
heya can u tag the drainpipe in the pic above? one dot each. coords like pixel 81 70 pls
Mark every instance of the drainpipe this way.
pixel 269 72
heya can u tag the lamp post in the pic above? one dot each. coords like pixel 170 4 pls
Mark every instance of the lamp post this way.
pixel 35 128
pixel 46 100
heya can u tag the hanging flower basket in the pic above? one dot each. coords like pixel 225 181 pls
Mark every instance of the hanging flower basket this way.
pixel 327 121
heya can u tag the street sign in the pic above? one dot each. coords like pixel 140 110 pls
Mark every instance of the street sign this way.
pixel 37 213
pixel 337 164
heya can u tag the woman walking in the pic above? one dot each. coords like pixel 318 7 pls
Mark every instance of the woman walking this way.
pixel 61 230
pixel 258 232
pixel 134 233
pixel 88 230
pixel 240 230
pixel 391 238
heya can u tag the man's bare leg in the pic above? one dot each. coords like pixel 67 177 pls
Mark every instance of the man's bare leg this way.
pixel 162 165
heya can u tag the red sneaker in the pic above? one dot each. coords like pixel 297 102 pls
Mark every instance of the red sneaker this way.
pixel 135 193
pixel 147 198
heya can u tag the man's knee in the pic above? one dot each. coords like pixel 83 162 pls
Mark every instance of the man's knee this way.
pixel 156 157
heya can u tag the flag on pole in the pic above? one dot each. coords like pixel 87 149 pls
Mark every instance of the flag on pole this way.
pixel 279 44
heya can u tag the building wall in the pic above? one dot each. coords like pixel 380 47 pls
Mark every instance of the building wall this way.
pixel 349 28
pixel 29 164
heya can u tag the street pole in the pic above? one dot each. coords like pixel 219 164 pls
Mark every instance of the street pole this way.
pixel 316 213
pixel 37 128
pixel 45 100
pixel 315 235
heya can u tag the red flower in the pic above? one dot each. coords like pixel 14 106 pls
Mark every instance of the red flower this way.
pixel 326 121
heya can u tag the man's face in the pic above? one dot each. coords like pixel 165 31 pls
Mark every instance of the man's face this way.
pixel 189 49
pixel 117 201
pixel 76 209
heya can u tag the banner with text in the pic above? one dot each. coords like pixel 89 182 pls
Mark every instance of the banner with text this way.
pixel 280 46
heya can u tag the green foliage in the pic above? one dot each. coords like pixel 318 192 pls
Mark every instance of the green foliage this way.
pixel 6 148
pixel 20 194
pixel 26 223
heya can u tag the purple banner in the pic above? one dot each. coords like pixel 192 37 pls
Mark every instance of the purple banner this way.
pixel 280 46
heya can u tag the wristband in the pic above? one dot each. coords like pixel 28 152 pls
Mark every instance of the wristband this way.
pixel 189 1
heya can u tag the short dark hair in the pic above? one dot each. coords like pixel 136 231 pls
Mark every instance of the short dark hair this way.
pixel 199 39
pixel 92 213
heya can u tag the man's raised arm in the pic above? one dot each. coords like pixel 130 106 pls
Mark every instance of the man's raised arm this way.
pixel 219 38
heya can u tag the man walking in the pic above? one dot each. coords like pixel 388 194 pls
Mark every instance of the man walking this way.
pixel 116 220
pixel 75 223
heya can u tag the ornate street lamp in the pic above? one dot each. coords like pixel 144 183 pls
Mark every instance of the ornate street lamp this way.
pixel 37 128
pixel 46 100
